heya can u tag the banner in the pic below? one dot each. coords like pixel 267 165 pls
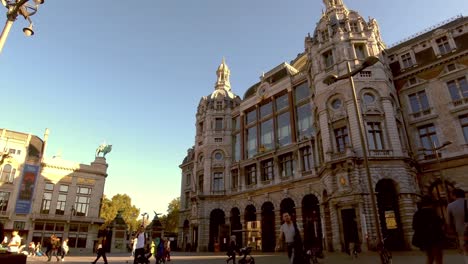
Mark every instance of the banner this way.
pixel 26 189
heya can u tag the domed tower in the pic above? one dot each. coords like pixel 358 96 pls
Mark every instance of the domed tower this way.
pixel 342 58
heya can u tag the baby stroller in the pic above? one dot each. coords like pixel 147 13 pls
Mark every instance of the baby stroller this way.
pixel 246 257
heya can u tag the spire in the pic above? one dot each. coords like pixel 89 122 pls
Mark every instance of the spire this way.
pixel 223 73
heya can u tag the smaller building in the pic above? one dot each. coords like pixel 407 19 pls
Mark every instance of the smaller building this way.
pixel 42 196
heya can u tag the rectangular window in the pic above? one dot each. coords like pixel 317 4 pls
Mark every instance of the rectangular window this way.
pixel 63 188
pixel 60 209
pixel 218 140
pixel 266 110
pixel 443 45
pixel 365 74
pixel 341 139
pixel 267 136
pixel 428 136
pixel 458 88
pixel 19 225
pixel 219 105
pixel 187 200
pixel 83 190
pixel 77 236
pixel 218 182
pixel 251 175
pixel 306 158
pixel 419 102
pixel 284 129
pixel 251 117
pixel 234 179
pixel 301 92
pixel 304 121
pixel 188 179
pixel 286 165
pixel 7 174
pixel 360 50
pixel 282 102
pixel 464 125
pixel 200 127
pixel 49 186
pixel 46 200
pixel 82 205
pixel 4 198
pixel 354 27
pixel 200 183
pixel 251 142
pixel 328 59
pixel 374 135
pixel 267 170
pixel 237 147
pixel 406 60
pixel 218 124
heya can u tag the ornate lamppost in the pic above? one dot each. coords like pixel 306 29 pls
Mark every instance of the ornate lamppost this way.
pixel 15 8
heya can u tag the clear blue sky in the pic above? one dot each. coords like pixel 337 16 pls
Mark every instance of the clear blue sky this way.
pixel 132 73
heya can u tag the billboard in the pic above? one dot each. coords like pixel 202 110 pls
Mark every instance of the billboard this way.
pixel 26 189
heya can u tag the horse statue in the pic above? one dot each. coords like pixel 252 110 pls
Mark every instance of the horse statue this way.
pixel 103 148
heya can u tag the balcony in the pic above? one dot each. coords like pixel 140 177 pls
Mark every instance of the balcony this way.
pixel 380 153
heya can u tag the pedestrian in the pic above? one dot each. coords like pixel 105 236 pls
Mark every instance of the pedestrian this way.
pixel 65 248
pixel 55 247
pixel 233 249
pixel 458 218
pixel 139 244
pixel 15 242
pixel 32 248
pixel 39 249
pixel 167 249
pixel 290 234
pixel 100 250
pixel 428 231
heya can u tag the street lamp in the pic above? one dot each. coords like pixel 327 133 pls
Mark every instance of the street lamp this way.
pixel 369 61
pixel 15 8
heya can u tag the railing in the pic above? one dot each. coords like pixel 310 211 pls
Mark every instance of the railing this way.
pixel 460 102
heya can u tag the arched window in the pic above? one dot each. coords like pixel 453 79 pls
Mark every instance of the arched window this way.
pixel 8 173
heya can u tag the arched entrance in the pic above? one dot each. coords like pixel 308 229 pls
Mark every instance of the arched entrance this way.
pixel 389 214
pixel 288 205
pixel 252 227
pixel 268 227
pixel 236 225
pixel 216 223
pixel 311 222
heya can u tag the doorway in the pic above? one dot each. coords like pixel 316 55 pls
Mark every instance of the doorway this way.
pixel 350 227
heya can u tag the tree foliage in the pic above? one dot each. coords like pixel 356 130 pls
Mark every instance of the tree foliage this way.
pixel 122 203
pixel 171 220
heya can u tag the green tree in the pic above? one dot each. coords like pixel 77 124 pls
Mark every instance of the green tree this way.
pixel 122 203
pixel 171 220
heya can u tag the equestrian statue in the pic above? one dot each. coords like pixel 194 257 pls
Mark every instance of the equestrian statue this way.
pixel 104 149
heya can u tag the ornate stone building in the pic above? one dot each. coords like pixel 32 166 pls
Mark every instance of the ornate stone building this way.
pixel 43 196
pixel 293 142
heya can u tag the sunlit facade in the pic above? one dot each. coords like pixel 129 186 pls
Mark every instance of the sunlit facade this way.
pixel 44 196
pixel 292 143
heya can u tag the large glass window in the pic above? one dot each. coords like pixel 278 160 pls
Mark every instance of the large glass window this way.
pixel 301 92
pixel 282 102
pixel 218 124
pixel 251 142
pixel 419 101
pixel 306 158
pixel 267 135
pixel 267 170
pixel 284 129
pixel 266 110
pixel 251 175
pixel 406 60
pixel 428 136
pixel 304 121
pixel 341 138
pixel 286 165
pixel 46 200
pixel 374 135
pixel 218 182
pixel 78 235
pixel 4 198
pixel 458 88
pixel 251 117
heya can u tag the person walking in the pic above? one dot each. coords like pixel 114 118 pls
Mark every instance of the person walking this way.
pixel 101 252
pixel 428 231
pixel 289 233
pixel 15 242
pixel 140 244
pixel 458 217
pixel 55 247
pixel 233 249
pixel 65 248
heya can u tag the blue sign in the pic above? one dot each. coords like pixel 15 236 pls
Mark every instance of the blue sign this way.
pixel 26 189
